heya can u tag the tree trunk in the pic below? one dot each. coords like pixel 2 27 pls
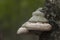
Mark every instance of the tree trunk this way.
pixel 54 34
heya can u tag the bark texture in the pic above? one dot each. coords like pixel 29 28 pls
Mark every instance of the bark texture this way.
pixel 52 11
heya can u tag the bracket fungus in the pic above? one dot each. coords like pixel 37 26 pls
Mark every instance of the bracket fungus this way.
pixel 36 22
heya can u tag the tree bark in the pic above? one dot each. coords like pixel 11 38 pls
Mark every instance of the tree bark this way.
pixel 54 34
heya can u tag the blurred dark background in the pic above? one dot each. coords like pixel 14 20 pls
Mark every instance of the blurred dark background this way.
pixel 13 13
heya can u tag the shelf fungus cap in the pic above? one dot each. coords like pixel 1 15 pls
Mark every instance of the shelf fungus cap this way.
pixel 38 26
pixel 38 13
pixel 22 30
pixel 36 22
pixel 34 26
pixel 38 16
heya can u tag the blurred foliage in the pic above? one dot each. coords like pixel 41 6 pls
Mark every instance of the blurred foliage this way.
pixel 13 13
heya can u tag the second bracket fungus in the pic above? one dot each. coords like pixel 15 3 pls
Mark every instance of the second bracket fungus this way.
pixel 36 22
